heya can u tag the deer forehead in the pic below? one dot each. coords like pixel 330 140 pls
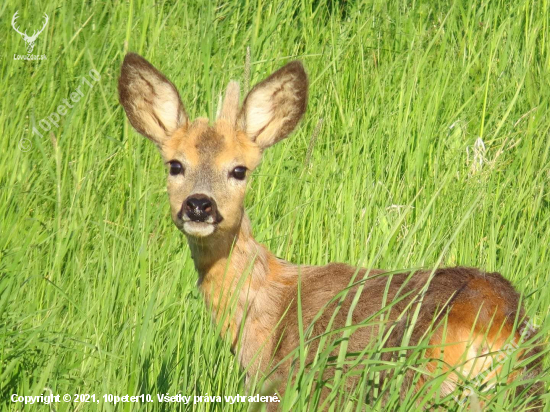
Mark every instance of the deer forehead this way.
pixel 218 146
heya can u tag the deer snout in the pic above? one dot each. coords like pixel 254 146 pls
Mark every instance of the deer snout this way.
pixel 200 208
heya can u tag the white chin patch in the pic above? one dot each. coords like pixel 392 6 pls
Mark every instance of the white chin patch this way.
pixel 198 229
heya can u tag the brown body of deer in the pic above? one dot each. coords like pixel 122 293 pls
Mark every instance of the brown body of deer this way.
pixel 208 168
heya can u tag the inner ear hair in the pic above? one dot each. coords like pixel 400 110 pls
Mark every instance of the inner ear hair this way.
pixel 274 107
pixel 152 103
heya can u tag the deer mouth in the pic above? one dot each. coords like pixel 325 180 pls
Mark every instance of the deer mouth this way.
pixel 198 224
pixel 198 229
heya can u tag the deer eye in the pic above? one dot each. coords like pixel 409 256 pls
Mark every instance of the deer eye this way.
pixel 238 173
pixel 176 168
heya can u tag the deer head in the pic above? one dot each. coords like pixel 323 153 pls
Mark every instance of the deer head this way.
pixel 209 163
pixel 29 39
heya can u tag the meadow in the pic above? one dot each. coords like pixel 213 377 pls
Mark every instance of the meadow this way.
pixel 425 143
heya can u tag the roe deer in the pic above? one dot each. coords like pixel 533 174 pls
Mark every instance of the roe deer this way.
pixel 209 165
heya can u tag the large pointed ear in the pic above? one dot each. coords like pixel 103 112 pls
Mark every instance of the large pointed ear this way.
pixel 273 107
pixel 152 103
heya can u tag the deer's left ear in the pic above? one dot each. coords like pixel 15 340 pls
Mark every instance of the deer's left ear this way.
pixel 274 107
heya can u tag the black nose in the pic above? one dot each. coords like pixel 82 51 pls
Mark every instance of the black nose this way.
pixel 199 207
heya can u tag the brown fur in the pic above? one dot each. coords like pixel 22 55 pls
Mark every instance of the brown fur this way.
pixel 254 294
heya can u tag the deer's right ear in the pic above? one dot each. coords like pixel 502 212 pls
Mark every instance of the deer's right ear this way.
pixel 152 103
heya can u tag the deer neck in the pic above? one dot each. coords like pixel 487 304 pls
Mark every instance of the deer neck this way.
pixel 241 281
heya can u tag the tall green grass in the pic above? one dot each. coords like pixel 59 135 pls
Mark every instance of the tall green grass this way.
pixel 97 287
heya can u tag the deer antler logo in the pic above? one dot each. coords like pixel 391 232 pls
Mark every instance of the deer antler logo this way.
pixel 29 39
